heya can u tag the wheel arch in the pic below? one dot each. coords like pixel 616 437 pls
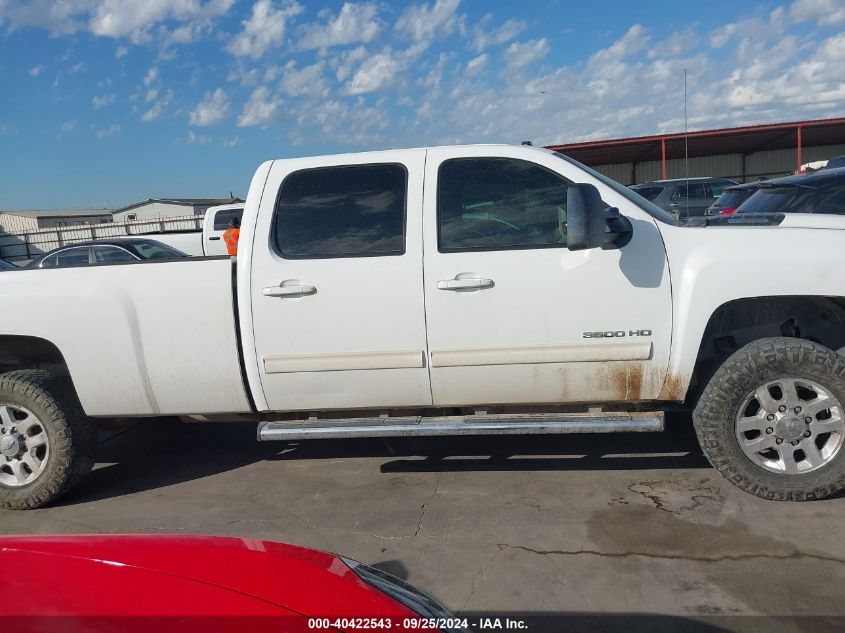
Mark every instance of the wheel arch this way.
pixel 736 323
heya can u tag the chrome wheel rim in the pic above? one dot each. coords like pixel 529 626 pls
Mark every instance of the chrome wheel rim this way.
pixel 24 446
pixel 790 426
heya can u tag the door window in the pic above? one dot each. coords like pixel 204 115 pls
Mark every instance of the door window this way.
pixel 499 203
pixel 350 211
pixel 73 257
pixel 697 191
pixel 222 218
pixel 832 201
pixel 107 254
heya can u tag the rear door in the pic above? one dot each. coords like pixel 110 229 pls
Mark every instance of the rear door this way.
pixel 513 315
pixel 216 222
pixel 336 283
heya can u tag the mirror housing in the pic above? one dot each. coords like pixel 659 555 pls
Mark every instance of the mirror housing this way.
pixel 590 223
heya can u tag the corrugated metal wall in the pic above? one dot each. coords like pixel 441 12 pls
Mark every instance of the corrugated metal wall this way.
pixel 769 163
pixel 11 223
pixel 155 210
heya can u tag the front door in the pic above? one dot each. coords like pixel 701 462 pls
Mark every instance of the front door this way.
pixel 336 284
pixel 513 315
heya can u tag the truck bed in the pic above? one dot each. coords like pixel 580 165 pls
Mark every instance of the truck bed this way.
pixel 148 338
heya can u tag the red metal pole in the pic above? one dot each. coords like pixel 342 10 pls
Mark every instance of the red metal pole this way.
pixel 800 161
pixel 663 158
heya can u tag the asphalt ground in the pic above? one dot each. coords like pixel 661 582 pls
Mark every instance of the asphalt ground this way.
pixel 624 532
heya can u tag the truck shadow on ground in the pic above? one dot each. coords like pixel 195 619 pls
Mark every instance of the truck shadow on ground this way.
pixel 158 453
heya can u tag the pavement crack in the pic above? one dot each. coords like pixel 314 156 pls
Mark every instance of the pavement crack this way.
pixel 423 508
pixel 652 555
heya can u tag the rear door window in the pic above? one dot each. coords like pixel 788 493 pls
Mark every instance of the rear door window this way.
pixel 349 211
pixel 693 191
pixel 73 257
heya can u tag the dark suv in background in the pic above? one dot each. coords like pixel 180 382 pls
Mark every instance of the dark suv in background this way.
pixel 822 191
pixel 732 198
pixel 684 197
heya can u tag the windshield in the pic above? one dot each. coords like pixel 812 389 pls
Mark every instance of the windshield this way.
pixel 150 249
pixel 784 199
pixel 656 212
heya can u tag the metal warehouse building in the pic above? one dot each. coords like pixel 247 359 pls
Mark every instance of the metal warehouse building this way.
pixel 156 208
pixel 20 221
pixel 743 153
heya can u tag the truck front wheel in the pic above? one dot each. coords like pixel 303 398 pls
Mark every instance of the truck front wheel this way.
pixel 772 420
pixel 47 443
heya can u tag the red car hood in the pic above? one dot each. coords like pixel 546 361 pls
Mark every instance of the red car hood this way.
pixel 180 575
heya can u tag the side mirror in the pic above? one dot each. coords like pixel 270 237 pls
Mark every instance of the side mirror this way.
pixel 590 223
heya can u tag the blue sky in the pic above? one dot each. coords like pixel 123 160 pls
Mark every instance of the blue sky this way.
pixel 110 101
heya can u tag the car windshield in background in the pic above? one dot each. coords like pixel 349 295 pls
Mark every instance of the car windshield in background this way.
pixel 649 193
pixel 150 249
pixel 784 199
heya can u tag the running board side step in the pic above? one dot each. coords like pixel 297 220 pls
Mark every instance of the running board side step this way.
pixel 422 426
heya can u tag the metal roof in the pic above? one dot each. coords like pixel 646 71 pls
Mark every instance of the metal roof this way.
pixel 737 140
pixel 53 213
pixel 188 202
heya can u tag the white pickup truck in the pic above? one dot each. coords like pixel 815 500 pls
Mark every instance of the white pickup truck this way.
pixel 450 290
pixel 209 240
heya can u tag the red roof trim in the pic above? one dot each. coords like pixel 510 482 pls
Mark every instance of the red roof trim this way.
pixel 633 140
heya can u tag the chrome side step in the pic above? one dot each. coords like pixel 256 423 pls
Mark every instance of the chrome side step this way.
pixel 421 426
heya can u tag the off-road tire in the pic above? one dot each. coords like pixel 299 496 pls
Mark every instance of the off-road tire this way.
pixel 71 434
pixel 749 367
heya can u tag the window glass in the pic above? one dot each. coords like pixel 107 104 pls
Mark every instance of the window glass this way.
pixel 777 199
pixel 72 257
pixel 497 203
pixel 150 249
pixel 832 201
pixel 649 193
pixel 351 211
pixel 697 191
pixel 222 218
pixel 105 254
pixel 718 188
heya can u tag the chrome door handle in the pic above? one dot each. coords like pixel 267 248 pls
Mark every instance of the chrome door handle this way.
pixel 465 284
pixel 300 290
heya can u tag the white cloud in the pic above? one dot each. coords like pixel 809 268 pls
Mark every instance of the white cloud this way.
pixel 424 22
pixel 118 18
pixel 354 23
pixel 108 132
pixel 306 81
pixel 476 64
pixel 151 76
pixel 76 68
pixel 157 108
pixel 121 52
pixel 376 72
pixel 260 110
pixel 346 63
pixel 521 54
pixel 485 37
pixel 102 102
pixel 197 139
pixel 264 30
pixel 232 142
pixel 109 18
pixel 66 128
pixel 36 70
pixel 213 108
pixel 823 12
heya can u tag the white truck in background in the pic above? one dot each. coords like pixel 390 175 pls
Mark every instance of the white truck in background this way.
pixel 443 291
pixel 209 240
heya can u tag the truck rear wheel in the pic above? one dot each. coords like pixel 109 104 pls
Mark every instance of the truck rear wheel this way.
pixel 772 420
pixel 47 444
